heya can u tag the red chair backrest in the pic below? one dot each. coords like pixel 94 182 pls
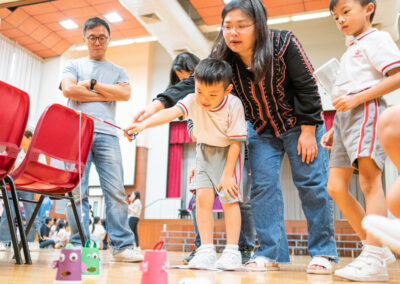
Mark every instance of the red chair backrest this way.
pixel 14 112
pixel 56 136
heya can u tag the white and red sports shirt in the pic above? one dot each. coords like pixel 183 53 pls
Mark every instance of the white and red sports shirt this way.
pixel 366 62
pixel 219 126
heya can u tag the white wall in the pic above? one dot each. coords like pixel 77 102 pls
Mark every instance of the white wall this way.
pixel 159 207
pixel 49 92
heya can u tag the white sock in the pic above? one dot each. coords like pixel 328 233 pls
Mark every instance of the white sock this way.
pixel 207 246
pixel 232 247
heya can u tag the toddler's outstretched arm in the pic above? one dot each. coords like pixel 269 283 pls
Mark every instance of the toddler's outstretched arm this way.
pixel 161 117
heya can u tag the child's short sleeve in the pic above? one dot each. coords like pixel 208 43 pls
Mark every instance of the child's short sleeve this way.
pixel 237 128
pixel 186 104
pixel 383 53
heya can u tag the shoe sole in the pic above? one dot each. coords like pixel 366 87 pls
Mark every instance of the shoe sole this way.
pixel 229 268
pixel 381 278
pixel 393 244
pixel 320 272
pixel 127 260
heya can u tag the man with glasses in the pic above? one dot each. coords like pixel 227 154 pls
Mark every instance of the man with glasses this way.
pixel 93 85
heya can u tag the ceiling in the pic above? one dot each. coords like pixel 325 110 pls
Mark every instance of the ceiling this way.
pixel 36 26
pixel 210 10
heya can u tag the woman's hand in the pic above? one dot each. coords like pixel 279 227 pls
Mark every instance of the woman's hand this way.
pixel 148 111
pixel 327 139
pixel 229 186
pixel 307 144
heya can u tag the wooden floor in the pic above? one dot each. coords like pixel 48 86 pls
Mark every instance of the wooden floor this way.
pixel 41 271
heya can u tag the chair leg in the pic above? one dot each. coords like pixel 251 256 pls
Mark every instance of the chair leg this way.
pixel 77 219
pixel 14 195
pixel 32 219
pixel 11 227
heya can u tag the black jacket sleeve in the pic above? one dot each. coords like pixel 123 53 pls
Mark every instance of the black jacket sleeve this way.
pixel 307 102
pixel 176 92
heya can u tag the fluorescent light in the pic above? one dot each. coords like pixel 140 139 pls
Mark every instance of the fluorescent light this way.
pixel 118 42
pixel 113 17
pixel 311 16
pixel 278 21
pixel 124 41
pixel 68 24
pixel 227 1
pixel 145 39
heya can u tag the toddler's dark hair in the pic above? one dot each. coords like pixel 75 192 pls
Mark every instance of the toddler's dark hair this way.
pixel 363 3
pixel 211 71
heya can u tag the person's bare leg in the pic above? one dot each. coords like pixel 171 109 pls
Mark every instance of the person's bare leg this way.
pixel 232 222
pixel 371 185
pixel 338 189
pixel 389 136
pixel 204 214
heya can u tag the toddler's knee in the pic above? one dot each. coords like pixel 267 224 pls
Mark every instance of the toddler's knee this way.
pixel 334 190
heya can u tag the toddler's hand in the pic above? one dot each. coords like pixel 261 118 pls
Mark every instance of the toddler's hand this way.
pixel 229 186
pixel 132 129
pixel 345 103
pixel 191 176
pixel 327 139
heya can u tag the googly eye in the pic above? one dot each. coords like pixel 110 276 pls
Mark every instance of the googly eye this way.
pixel 89 255
pixel 95 256
pixel 62 257
pixel 73 257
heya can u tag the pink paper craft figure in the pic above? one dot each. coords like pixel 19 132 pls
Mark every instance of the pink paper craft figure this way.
pixel 154 266
pixel 69 266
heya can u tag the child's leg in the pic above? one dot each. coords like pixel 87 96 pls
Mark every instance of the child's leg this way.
pixel 338 188
pixel 389 136
pixel 371 185
pixel 232 222
pixel 204 215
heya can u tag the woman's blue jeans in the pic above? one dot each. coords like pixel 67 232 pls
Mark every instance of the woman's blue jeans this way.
pixel 266 153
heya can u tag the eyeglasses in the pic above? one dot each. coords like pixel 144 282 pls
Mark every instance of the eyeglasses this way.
pixel 102 39
pixel 238 29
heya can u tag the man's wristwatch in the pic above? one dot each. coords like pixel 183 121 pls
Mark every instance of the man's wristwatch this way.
pixel 92 83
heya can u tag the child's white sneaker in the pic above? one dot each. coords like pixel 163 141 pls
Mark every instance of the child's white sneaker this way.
pixel 205 258
pixel 369 266
pixel 4 246
pixel 230 259
pixel 33 246
pixel 388 256
pixel 384 229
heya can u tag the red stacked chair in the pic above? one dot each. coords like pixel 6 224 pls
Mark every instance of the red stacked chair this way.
pixel 14 112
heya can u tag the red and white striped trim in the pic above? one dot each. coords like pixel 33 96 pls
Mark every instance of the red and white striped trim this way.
pixel 239 196
pixel 237 136
pixel 184 107
pixel 222 106
pixel 390 65
pixel 361 37
pixel 371 151
pixel 362 131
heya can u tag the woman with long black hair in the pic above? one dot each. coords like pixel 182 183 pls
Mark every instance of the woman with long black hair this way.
pixel 274 80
